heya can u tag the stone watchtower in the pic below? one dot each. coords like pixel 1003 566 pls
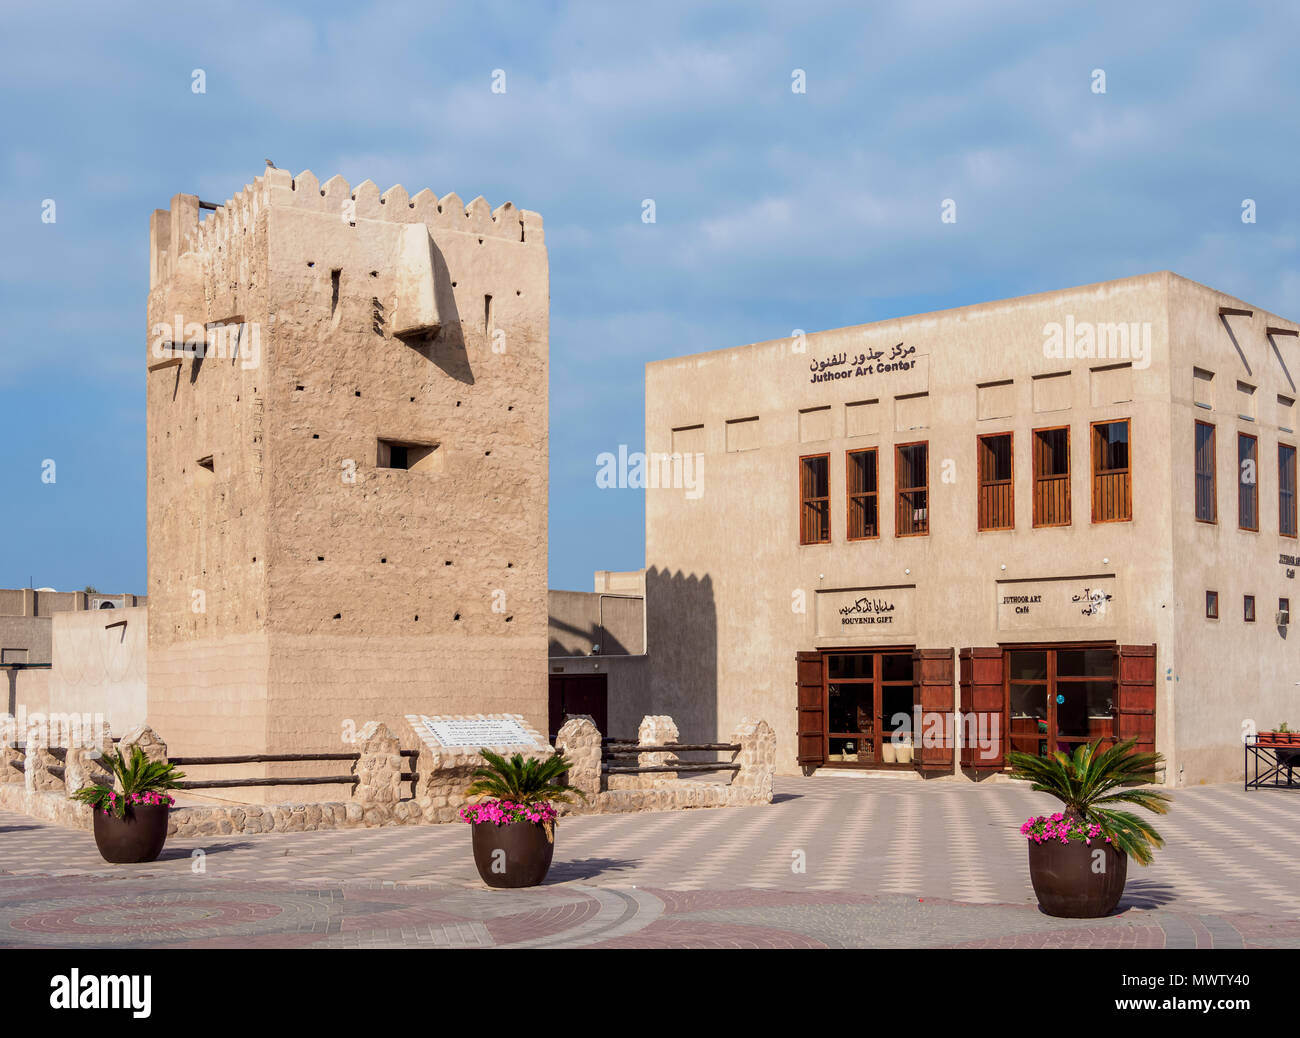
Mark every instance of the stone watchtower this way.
pixel 347 474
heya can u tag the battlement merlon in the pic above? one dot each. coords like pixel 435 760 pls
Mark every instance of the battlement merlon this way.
pixel 175 231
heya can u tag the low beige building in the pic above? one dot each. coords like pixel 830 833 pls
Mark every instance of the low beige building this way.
pixel 599 666
pixel 1050 519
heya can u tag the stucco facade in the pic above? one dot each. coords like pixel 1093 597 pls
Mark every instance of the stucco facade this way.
pixel 348 488
pixel 732 595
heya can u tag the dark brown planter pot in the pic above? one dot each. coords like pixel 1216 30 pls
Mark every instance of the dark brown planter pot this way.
pixel 514 855
pixel 1067 886
pixel 137 837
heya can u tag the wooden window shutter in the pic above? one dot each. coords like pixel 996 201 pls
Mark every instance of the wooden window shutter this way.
pixel 932 694
pixel 811 731
pixel 1135 695
pixel 983 708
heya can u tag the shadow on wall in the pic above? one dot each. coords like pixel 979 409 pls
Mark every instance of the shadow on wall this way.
pixel 588 634
pixel 682 647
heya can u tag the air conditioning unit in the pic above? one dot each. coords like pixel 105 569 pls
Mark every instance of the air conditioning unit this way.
pixel 104 602
pixel 1283 617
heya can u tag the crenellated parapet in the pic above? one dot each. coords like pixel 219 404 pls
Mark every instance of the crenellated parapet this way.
pixel 219 239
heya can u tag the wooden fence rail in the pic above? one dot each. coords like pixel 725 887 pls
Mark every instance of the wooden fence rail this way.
pixel 622 749
pixel 620 769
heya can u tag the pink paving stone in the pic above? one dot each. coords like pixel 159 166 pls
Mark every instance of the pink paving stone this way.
pixel 69 920
pixel 677 902
pixel 398 917
pixel 679 933
pixel 1255 925
pixel 544 922
pixel 1078 937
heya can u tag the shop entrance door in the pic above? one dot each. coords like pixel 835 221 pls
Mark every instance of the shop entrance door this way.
pixel 1060 697
pixel 868 700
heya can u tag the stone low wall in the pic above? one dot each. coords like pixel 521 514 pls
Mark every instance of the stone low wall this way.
pixel 580 741
pixel 38 789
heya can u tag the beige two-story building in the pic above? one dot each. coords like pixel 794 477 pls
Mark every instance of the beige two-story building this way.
pixel 924 542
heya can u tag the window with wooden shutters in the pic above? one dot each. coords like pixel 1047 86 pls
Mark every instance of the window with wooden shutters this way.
pixel 1207 506
pixel 863 503
pixel 1052 476
pixel 1286 501
pixel 997 510
pixel 1111 478
pixel 1247 482
pixel 814 499
pixel 911 478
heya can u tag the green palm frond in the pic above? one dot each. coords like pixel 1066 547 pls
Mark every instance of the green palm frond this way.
pixel 523 780
pixel 136 774
pixel 1087 781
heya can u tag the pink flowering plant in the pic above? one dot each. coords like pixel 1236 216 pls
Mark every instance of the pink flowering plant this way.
pixel 1059 827
pixel 504 812
pixel 519 790
pixel 139 782
pixel 1090 783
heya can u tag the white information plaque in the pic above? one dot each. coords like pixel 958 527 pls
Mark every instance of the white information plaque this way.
pixel 473 735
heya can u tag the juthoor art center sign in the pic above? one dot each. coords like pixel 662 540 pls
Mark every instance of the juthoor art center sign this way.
pixel 867 362
pixel 1073 602
pixel 866 614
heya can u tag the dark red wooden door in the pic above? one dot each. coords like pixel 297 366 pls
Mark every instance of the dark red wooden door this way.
pixel 579 694
pixel 811 710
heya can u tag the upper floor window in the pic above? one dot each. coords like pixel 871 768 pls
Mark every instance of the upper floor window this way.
pixel 1111 479
pixel 996 487
pixel 814 499
pixel 1247 481
pixel 1052 476
pixel 1207 507
pixel 1286 501
pixel 911 478
pixel 863 491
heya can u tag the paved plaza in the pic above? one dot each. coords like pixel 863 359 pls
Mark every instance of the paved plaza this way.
pixel 833 862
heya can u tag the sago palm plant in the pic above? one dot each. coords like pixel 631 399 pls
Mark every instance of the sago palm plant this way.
pixel 1092 779
pixel 523 781
pixel 135 778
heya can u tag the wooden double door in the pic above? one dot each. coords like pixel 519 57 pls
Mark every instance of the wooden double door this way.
pixel 857 708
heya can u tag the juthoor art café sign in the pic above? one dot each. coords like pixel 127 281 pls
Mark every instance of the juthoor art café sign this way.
pixel 1071 602
pixel 866 614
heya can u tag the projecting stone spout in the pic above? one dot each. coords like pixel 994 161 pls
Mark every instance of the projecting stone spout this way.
pixel 416 308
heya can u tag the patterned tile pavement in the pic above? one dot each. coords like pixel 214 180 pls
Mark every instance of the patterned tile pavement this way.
pixel 834 862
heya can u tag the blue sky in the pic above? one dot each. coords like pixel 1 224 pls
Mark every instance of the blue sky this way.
pixel 774 210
